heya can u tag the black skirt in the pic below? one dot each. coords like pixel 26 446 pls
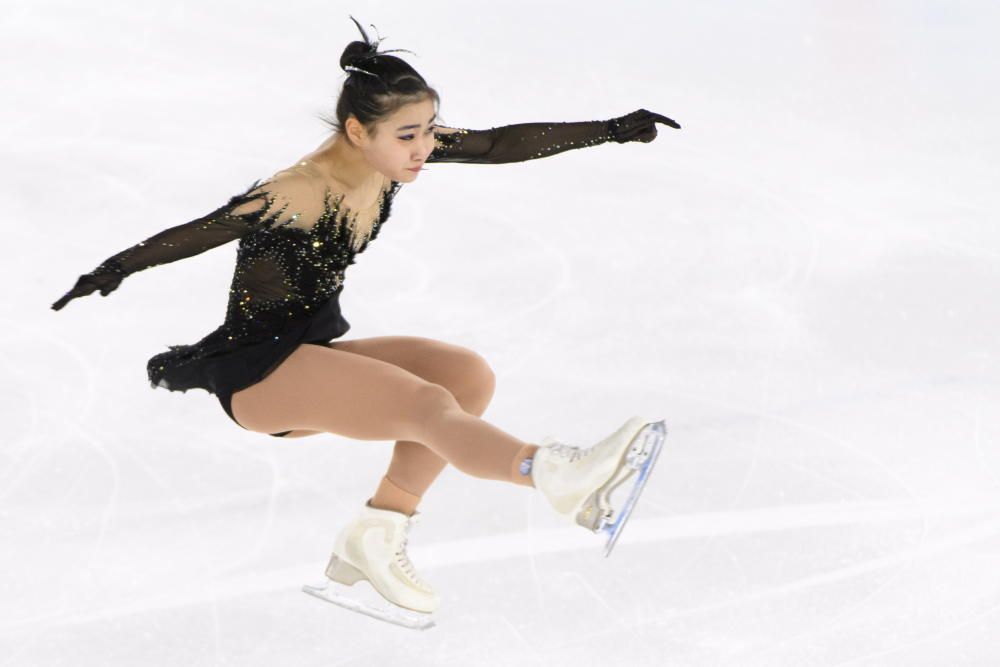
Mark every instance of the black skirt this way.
pixel 221 366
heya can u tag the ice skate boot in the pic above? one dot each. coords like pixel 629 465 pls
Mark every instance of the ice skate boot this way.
pixel 578 482
pixel 369 571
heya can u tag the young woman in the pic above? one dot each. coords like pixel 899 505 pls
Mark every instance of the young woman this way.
pixel 275 365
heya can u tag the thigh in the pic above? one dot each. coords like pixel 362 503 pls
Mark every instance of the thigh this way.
pixel 318 388
pixel 460 370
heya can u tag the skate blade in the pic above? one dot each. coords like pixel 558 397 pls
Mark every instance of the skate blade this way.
pixel 596 511
pixel 646 458
pixel 364 599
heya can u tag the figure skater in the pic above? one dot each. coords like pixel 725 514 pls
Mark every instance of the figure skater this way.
pixel 276 366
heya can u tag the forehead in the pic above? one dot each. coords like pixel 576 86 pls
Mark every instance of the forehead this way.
pixel 415 112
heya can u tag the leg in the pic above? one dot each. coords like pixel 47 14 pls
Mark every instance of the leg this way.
pixel 461 371
pixel 335 391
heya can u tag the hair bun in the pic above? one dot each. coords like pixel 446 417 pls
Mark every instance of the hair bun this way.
pixel 354 53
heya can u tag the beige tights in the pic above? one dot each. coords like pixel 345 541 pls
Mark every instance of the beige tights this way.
pixel 425 394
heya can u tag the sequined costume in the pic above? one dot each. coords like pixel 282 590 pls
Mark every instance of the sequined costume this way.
pixel 295 244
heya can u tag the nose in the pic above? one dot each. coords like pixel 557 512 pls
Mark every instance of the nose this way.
pixel 427 146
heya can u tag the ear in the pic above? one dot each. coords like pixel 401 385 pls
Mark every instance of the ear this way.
pixel 355 131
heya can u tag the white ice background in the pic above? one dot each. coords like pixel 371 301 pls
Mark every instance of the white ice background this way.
pixel 802 282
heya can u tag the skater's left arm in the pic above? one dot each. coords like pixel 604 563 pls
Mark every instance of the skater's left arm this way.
pixel 529 141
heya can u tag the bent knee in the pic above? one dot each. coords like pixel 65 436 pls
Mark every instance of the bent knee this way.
pixel 478 379
pixel 430 402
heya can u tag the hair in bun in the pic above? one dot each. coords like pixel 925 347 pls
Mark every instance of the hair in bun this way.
pixel 377 84
pixel 353 54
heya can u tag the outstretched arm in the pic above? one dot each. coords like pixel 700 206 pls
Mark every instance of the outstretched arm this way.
pixel 241 214
pixel 529 141
pixel 515 143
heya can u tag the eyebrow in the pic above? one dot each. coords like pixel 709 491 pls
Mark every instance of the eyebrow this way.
pixel 410 127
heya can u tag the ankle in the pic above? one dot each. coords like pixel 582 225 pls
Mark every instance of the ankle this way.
pixel 391 497
pixel 522 464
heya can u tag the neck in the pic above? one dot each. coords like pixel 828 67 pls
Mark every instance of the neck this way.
pixel 344 163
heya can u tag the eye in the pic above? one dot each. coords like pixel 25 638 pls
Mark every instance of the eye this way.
pixel 408 137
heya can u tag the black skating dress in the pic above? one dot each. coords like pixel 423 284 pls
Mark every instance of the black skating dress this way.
pixel 295 244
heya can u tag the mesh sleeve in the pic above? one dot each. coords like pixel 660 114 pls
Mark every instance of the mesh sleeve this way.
pixel 261 206
pixel 516 143
pixel 185 240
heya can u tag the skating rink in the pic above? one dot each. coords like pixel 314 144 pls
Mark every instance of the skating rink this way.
pixel 802 282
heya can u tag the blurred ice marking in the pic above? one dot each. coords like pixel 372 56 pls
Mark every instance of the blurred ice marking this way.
pixel 571 538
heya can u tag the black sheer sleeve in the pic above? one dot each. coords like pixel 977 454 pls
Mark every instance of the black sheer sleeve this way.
pixel 516 143
pixel 529 141
pixel 242 214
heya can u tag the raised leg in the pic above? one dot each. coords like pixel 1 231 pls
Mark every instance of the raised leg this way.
pixel 461 371
pixel 336 391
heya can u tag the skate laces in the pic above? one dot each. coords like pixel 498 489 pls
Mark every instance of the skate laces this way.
pixel 403 559
pixel 567 451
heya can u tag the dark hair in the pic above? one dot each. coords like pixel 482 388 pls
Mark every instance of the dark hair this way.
pixel 377 85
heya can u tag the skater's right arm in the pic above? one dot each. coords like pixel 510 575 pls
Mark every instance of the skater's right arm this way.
pixel 242 214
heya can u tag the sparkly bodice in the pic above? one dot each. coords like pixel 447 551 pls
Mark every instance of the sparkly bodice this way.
pixel 296 257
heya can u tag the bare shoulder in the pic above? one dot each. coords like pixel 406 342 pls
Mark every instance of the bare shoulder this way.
pixel 293 188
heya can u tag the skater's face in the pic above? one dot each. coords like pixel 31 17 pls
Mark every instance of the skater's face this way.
pixel 402 141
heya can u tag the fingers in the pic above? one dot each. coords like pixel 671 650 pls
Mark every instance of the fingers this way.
pixel 66 298
pixel 640 125
pixel 659 118
pixel 83 287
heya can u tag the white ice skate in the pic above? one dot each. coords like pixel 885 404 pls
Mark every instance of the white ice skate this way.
pixel 578 482
pixel 370 573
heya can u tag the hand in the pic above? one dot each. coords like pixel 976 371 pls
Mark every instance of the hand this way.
pixel 638 126
pixel 106 278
